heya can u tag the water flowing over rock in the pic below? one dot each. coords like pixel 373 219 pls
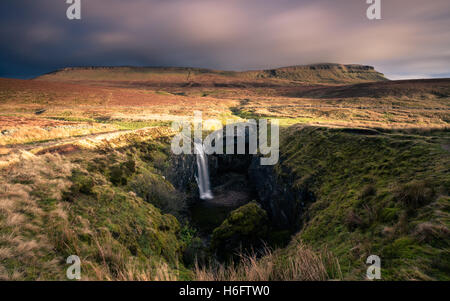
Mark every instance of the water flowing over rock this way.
pixel 202 172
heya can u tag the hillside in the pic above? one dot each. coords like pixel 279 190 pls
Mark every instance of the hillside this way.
pixel 375 193
pixel 317 73
pixel 54 206
pixel 324 73
pixel 401 88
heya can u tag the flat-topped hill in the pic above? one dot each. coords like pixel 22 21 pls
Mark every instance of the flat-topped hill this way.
pixel 316 73
pixel 324 73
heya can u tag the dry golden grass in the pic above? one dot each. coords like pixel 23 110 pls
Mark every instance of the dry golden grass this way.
pixel 303 264
pixel 20 130
pixel 133 272
pixel 160 272
pixel 37 232
pixel 22 220
pixel 114 265
pixel 386 112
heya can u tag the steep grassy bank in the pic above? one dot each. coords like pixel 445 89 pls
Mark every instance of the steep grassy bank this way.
pixel 374 193
pixel 99 205
pixel 383 194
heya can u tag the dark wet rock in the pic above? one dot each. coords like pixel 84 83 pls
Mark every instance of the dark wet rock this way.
pixel 181 173
pixel 245 229
pixel 277 195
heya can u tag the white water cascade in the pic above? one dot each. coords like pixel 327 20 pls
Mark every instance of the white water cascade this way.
pixel 203 172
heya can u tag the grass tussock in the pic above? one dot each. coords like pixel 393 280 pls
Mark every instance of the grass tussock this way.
pixel 428 232
pixel 415 194
pixel 27 193
pixel 158 272
pixel 301 264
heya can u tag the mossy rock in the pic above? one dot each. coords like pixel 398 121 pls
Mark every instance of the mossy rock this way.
pixel 246 228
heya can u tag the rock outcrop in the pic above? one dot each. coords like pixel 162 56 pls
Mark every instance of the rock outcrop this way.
pixel 277 195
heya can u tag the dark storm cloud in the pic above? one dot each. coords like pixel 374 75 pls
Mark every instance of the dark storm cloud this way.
pixel 412 40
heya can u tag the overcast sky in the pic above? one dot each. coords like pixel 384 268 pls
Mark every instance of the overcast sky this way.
pixel 411 41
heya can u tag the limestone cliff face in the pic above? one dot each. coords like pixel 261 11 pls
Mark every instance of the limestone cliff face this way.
pixel 325 73
pixel 277 195
pixel 181 173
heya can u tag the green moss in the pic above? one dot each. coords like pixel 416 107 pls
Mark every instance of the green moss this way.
pixel 372 191
pixel 245 228
pixel 81 183
pixel 390 215
pixel 117 175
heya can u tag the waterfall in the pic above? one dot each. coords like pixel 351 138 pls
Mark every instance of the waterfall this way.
pixel 203 172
